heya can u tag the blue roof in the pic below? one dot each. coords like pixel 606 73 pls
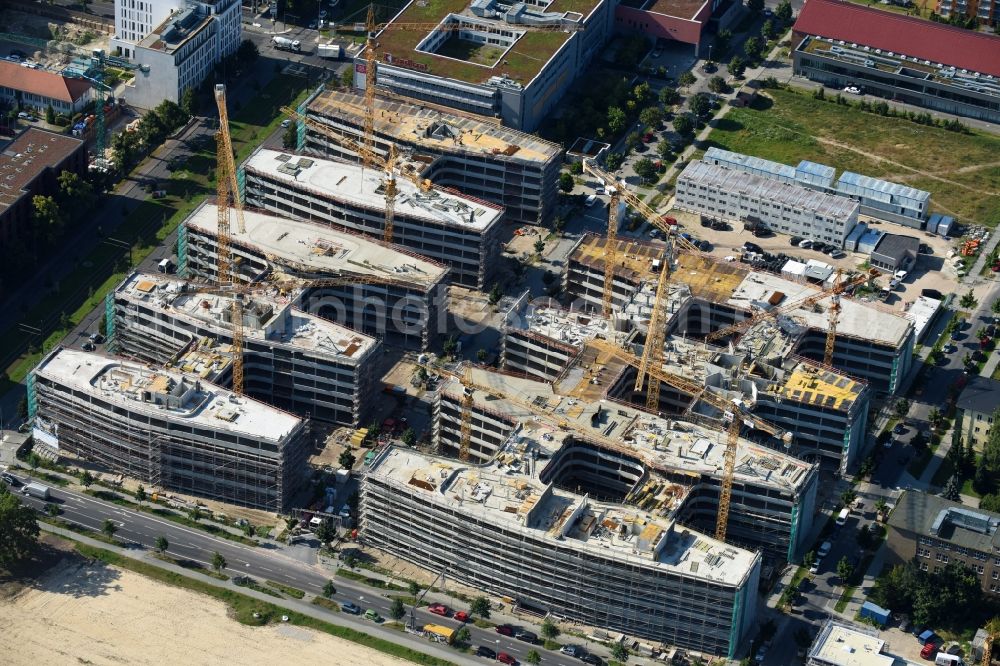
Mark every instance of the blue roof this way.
pixel 749 162
pixel 816 169
pixel 882 186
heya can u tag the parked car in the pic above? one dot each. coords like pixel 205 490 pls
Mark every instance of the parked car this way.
pixel 824 549
pixel 505 629
pixel 805 244
pixel 838 254
pixel 505 658
pixel 89 346
pixel 483 651
pixel 795 240
pixel 439 609
pixel 526 636
pixel 814 569
pixel 372 614
pixel 899 429
pixel 753 247
pixel 929 651
pixel 351 609
pixel 9 480
pixel 571 650
pixel 462 616
pixel 592 659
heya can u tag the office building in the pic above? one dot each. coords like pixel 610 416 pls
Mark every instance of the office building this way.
pixel 482 159
pixel 905 59
pixel 730 194
pixel 38 89
pixel 380 290
pixel 895 253
pixel 456 230
pixel 134 19
pixel 481 61
pixel 977 403
pixel 933 532
pixel 291 359
pixel 168 429
pixel 684 21
pixel 182 51
pixel 842 644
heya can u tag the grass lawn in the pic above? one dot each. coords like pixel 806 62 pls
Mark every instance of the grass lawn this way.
pixel 798 127
pixel 925 6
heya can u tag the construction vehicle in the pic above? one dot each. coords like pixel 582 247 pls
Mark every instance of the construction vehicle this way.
pixel 285 44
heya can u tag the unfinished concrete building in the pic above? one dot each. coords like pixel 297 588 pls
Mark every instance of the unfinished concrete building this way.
pixel 505 527
pixel 169 429
pixel 508 168
pixel 451 228
pixel 292 359
pixel 773 494
pixel 380 290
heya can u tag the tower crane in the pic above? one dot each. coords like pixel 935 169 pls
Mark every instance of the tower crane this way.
pixel 992 629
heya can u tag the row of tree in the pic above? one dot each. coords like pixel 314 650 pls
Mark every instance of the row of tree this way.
pixel 946 597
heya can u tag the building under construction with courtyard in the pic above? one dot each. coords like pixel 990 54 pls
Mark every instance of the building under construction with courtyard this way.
pixel 380 290
pixel 291 359
pixel 477 157
pixel 168 428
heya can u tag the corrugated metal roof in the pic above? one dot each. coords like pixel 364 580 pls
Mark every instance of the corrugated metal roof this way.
pixel 816 169
pixel 777 169
pixel 877 185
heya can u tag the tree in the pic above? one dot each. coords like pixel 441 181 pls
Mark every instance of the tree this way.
pixel 194 513
pixel 783 12
pixel 152 130
pixel 722 41
pixel 717 84
pixel 218 561
pixel 496 293
pixel 450 347
pixel 844 570
pixel 645 169
pixel 996 306
pixel 350 559
pixel 18 529
pixel 74 191
pixel 990 503
pixel 481 355
pixel 413 588
pixel 397 610
pixel 902 407
pixel 881 505
pixel 329 589
pixel 753 47
pixel 52 509
pixel 109 528
pixel 651 116
pixel 566 182
pixel 619 652
pixel 539 246
pixel 737 66
pixel 47 218
pixel 769 30
pixel 664 149
pixel 953 489
pixel 124 148
pixel 700 105
pixel 290 139
pixel 808 559
pixel 346 459
pixel 616 120
pixel 613 161
pixel 683 124
pixel 686 79
pixel 326 531
pixel 755 6
pixel 171 114
pixel 86 479
pixel 247 53
pixel 409 437
pixel 50 115
pixel 934 416
pixel 140 494
pixel 162 544
pixel 188 101
pixel 549 629
pixel 981 481
pixel 463 636
pixel 533 657
pixel 968 300
pixel 669 97
pixel 848 496
pixel 480 606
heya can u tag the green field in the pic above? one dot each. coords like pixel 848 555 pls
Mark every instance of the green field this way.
pixel 962 171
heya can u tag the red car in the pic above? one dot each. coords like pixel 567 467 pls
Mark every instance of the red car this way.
pixel 462 616
pixel 505 658
pixel 505 629
pixel 438 609
pixel 929 651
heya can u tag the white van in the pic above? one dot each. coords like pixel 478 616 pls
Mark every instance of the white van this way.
pixel 842 518
pixel 591 200
pixel 166 266
pixel 944 659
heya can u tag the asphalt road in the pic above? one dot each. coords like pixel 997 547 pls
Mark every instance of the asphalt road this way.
pixel 263 563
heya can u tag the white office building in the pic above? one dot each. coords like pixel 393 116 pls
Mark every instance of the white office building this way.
pixel 134 19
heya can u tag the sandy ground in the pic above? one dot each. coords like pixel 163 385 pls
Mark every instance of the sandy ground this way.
pixel 87 614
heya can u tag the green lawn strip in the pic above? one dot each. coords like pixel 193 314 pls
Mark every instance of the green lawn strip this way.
pixel 214 530
pixel 244 607
pixel 327 604
pixel 191 564
pixel 857 576
pixel 79 529
pixel 287 589
pixel 372 582
pixel 845 598
pixel 246 581
pixel 943 473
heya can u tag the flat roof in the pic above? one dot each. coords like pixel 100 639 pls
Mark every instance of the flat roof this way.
pixel 842 645
pixel 268 315
pixel 814 385
pixel 522 62
pixel 856 318
pixel 436 130
pixel 321 249
pixel 685 9
pixel 175 31
pixel 921 312
pixel 769 189
pixel 166 394
pixel 634 257
pixel 356 185
pixel 897 246
pixel 565 326
pixel 27 156
pixel 503 492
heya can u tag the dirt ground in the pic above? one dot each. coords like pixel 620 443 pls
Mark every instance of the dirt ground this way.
pixel 94 614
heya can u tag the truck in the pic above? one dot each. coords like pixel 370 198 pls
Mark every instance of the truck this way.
pixel 285 44
pixel 875 612
pixel 439 632
pixel 329 51
pixel 37 490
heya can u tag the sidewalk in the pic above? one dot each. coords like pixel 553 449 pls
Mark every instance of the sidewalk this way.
pixel 303 607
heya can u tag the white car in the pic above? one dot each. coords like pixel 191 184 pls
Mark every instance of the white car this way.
pixel 286 122
pixel 854 90
pixel 814 569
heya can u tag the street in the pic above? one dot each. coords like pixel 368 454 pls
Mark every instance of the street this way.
pixel 267 562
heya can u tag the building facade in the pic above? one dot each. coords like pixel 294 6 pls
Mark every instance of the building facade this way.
pixel 38 89
pixel 986 12
pixel 976 406
pixel 168 429
pixel 507 168
pixel 134 19
pixel 455 230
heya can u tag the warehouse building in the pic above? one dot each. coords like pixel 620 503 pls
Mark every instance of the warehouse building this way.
pixel 168 429
pixel 773 495
pixel 721 192
pixel 482 159
pixel 879 198
pixel 900 58
pixel 292 359
pixel 453 229
pixel 365 285
pixel 487 64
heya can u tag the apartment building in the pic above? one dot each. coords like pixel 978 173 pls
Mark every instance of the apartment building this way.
pixel 480 60
pixel 134 19
pixel 986 12
pixel 906 59
pixel 380 290
pixel 933 531
pixel 653 460
pixel 583 280
pixel 182 51
pixel 291 359
pixel 739 196
pixel 976 406
pixel 453 229
pixel 168 429
pixel 498 527
pixel 878 198
pixel 38 89
pixel 479 158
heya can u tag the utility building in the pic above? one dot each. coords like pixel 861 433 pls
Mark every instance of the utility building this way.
pixel 479 158
pixel 168 429
pixel 459 231
pixel 292 359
